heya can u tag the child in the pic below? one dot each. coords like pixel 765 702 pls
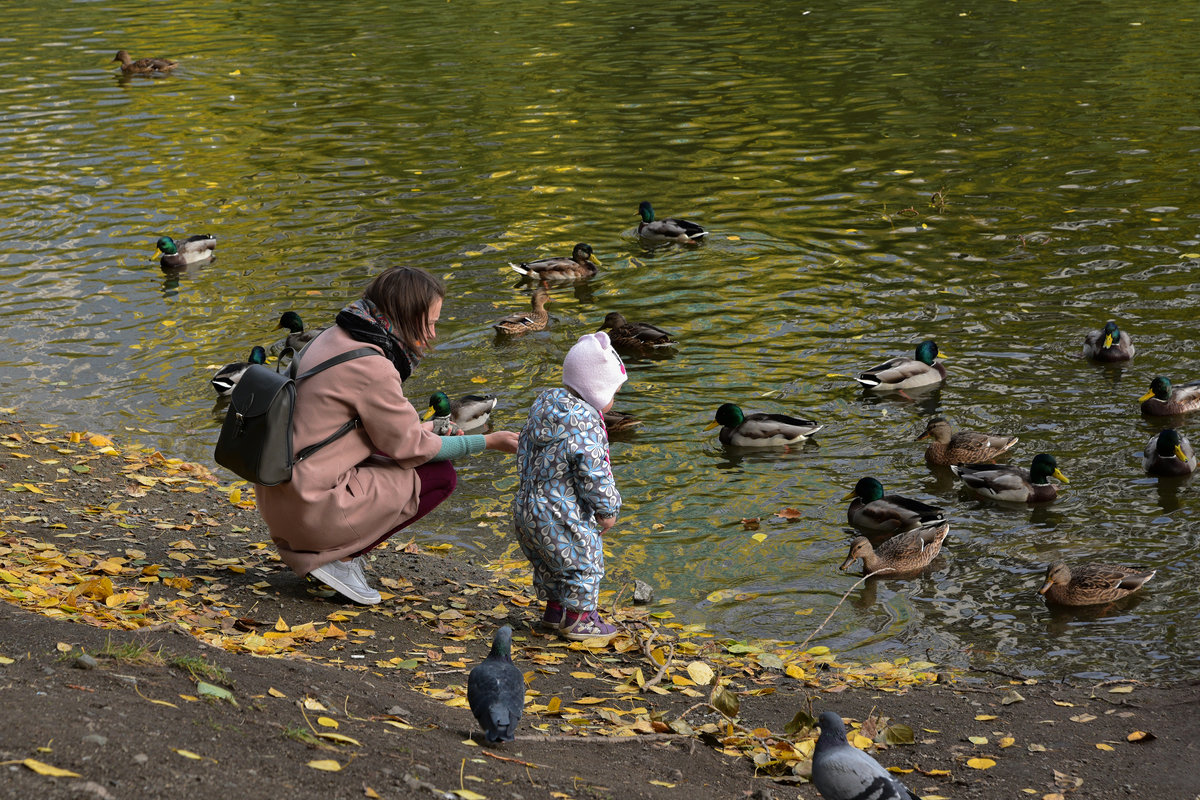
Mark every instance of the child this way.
pixel 567 497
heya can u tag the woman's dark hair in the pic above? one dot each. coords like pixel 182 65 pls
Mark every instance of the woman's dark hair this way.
pixel 404 295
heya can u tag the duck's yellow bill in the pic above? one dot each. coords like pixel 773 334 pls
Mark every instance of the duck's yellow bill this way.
pixel 711 425
pixel 1058 474
pixel 1107 341
pixel 157 255
pixel 592 258
pixel 1182 456
pixel 428 415
pixel 1145 397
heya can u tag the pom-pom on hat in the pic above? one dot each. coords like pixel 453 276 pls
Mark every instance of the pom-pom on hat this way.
pixel 593 370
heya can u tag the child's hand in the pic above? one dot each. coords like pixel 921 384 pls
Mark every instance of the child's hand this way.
pixel 605 523
pixel 504 441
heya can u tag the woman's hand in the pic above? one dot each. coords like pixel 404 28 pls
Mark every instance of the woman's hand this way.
pixel 504 441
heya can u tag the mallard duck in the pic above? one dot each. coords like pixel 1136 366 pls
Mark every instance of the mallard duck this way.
pixel 903 554
pixel 192 250
pixel 1169 454
pixel 143 66
pixel 667 230
pixel 467 413
pixel 620 422
pixel 298 335
pixel 582 264
pixel 639 336
pixel 1108 344
pixel 1090 584
pixel 520 324
pixel 228 376
pixel 961 447
pixel 1013 484
pixel 872 510
pixel 1165 400
pixel 902 373
pixel 759 429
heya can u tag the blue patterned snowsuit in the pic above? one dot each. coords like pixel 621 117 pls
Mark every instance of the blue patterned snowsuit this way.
pixel 566 480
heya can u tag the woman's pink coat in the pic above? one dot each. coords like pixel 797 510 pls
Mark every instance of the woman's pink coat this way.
pixel 350 493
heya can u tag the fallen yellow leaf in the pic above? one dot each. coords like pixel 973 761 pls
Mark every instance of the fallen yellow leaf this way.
pixel 326 765
pixel 1007 741
pixel 327 722
pixel 980 763
pixel 188 754
pixel 1103 746
pixel 42 768
pixel 467 794
pixel 275 692
pixel 340 737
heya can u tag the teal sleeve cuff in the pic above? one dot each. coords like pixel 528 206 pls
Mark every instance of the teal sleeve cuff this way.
pixel 454 447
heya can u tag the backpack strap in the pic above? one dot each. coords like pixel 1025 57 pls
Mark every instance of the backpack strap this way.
pixel 349 355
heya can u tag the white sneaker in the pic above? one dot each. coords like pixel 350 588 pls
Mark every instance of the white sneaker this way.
pixel 347 577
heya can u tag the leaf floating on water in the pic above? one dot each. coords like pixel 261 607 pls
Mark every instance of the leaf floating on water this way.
pixel 788 513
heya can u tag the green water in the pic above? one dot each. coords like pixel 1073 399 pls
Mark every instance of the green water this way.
pixel 322 141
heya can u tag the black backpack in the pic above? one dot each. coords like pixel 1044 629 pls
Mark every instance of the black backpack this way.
pixel 256 438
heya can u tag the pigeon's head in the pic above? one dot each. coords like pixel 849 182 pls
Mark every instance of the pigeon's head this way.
pixel 502 643
pixel 832 727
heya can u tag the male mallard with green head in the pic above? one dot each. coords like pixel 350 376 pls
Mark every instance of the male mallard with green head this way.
pixel 581 265
pixel 904 554
pixel 1109 344
pixel 1090 584
pixel 961 447
pixel 1165 400
pixel 902 373
pixel 297 336
pixel 760 429
pixel 661 231
pixel 1169 454
pixel 144 66
pixel 870 509
pixel 228 376
pixel 191 250
pixel 640 336
pixel 1013 484
pixel 467 413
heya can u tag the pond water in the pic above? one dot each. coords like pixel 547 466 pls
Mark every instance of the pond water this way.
pixel 999 177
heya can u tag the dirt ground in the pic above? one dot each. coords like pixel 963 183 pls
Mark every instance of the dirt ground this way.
pixel 151 646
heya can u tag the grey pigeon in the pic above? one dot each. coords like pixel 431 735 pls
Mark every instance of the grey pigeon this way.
pixel 496 690
pixel 841 771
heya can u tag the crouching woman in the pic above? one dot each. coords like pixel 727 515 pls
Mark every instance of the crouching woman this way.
pixel 389 471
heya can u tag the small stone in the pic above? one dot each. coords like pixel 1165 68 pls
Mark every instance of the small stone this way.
pixel 643 592
pixel 96 738
pixel 141 759
pixel 675 776
pixel 399 711
pixel 84 661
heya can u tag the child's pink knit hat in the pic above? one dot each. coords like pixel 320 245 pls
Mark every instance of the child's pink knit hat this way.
pixel 593 370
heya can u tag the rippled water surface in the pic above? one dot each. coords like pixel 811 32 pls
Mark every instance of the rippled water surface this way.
pixel 1000 177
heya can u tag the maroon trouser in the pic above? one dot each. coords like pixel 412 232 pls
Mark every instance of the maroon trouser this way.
pixel 438 480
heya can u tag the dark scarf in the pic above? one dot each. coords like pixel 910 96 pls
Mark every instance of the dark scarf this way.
pixel 363 321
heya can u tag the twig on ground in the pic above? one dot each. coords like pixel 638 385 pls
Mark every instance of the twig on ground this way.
pixel 490 754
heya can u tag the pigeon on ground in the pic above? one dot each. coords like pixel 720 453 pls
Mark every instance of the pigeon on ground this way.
pixel 496 690
pixel 841 771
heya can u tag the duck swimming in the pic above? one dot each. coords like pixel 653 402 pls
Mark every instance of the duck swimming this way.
pixel 1109 344
pixel 1013 484
pixel 661 231
pixel 760 429
pixel 902 373
pixel 144 66
pixel 961 447
pixel 1169 454
pixel 902 555
pixel 1090 584
pixel 581 265
pixel 870 509
pixel 1165 400
pixel 192 250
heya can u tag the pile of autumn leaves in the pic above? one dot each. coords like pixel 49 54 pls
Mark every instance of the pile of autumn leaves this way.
pixel 49 573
